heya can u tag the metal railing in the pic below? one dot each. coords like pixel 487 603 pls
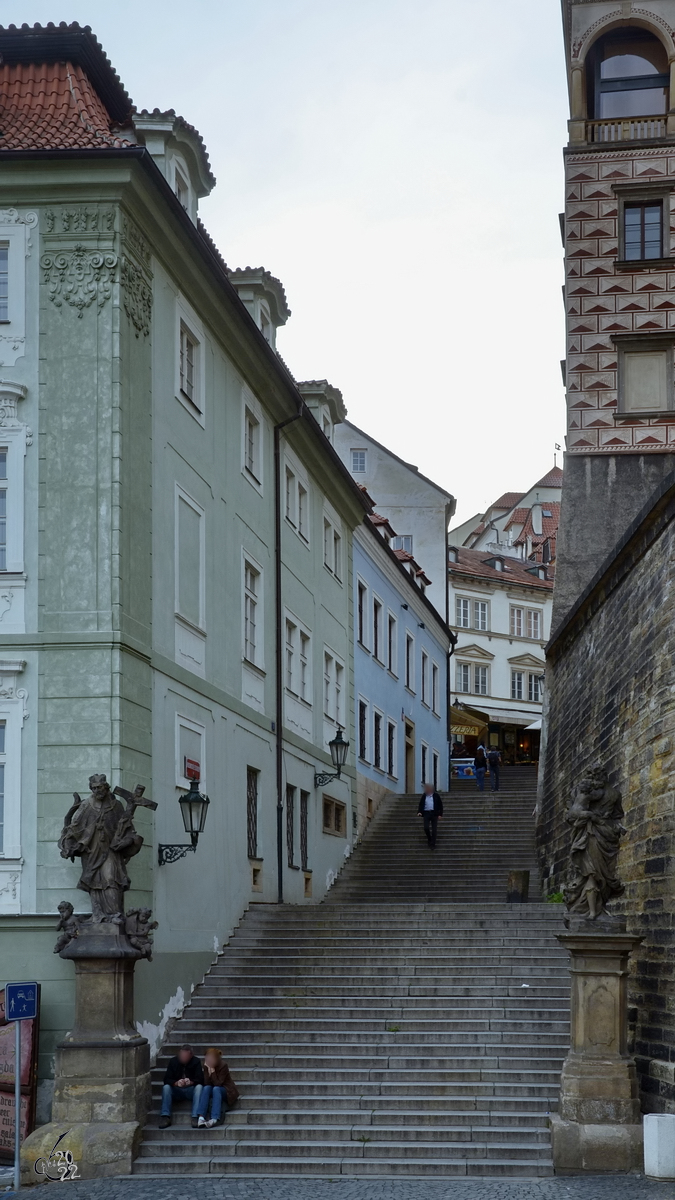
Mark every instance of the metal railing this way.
pixel 626 129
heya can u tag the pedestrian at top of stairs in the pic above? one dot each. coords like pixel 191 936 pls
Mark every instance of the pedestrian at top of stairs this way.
pixel 183 1080
pixel 494 763
pixel 430 808
pixel 220 1091
pixel 480 763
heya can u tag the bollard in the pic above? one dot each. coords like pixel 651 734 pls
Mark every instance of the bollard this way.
pixel 659 1135
pixel 518 887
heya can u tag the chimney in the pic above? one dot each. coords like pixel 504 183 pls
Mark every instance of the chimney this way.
pixel 537 522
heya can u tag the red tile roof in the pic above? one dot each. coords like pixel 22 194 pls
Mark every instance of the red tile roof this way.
pixel 508 500
pixel 476 563
pixel 52 106
pixel 554 479
pixel 549 525
pixel 518 517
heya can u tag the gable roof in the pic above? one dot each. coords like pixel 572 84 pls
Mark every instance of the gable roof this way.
pixel 554 479
pixel 508 500
pixel 477 563
pixel 409 466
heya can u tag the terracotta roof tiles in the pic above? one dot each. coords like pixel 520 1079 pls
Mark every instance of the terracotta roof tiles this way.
pixel 554 479
pixel 52 106
pixel 477 563
pixel 508 500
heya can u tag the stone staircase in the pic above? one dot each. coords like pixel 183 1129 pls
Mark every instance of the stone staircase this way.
pixel 411 1024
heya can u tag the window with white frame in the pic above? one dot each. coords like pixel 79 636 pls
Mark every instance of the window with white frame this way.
pixel 480 681
pixel 252 457
pixel 425 762
pixel 4 283
pixel 424 678
pixel 251 602
pixel 533 624
pixel 391 643
pixel 290 497
pixel 266 327
pixel 358 461
pixel 298 670
pixel 189 365
pixel 190 741
pixel 181 188
pixel 327 428
pixel 333 676
pixel 409 662
pixel 12 716
pixel 517 623
pixel 305 673
pixel 480 614
pixel 363 729
pixel 403 542
pixel 361 602
pixel 377 740
pixel 303 512
pixel 517 678
pixel 435 691
pixel 190 567
pixel 291 632
pixel 535 688
pixel 391 749
pixel 337 555
pixel 435 765
pixel 462 612
pixel 377 629
pixel 463 677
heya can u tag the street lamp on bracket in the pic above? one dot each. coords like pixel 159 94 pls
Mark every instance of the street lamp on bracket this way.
pixel 193 807
pixel 338 751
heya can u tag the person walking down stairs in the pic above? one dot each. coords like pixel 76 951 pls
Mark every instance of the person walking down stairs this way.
pixel 480 763
pixel 431 810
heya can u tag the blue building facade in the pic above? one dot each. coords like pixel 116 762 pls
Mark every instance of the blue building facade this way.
pixel 400 674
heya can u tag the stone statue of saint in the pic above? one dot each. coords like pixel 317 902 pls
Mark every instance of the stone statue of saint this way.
pixel 595 813
pixel 100 831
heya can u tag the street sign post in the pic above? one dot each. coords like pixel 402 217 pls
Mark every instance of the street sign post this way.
pixel 21 1001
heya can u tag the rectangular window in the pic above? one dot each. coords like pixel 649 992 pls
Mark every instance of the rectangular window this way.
pixel 424 682
pixel 188 364
pixel 463 677
pixel 480 681
pixel 645 380
pixel 303 514
pixel 643 230
pixel 251 584
pixel 391 644
pixel 516 622
pixel 252 811
pixel 189 561
pixel 391 748
pixel 517 685
pixel 361 612
pixel 4 281
pixel 339 714
pixel 290 497
pixel 377 629
pixel 377 741
pixel 305 683
pixel 434 688
pixel 328 666
pixel 304 830
pixel 358 461
pixel 480 614
pixel 534 688
pixel 252 445
pixel 363 730
pixel 337 555
pixel 291 632
pixel 290 824
pixel 403 542
pixel 435 769
pixel 462 610
pixel 327 544
pixel 334 817
pixel 409 662
pixel 534 624
pixel 425 756
pixel 181 189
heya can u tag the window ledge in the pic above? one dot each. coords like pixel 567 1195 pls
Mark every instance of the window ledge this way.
pixel 667 414
pixel 253 667
pixel 293 867
pixel 255 859
pixel 644 264
pixel 190 624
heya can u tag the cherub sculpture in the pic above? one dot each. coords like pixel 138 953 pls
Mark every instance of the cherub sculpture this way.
pixel 137 927
pixel 69 925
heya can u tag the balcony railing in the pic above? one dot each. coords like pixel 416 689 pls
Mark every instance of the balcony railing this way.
pixel 626 129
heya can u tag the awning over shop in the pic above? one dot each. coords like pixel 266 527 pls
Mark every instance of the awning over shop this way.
pixel 467 722
pixel 534 725
pixel 510 716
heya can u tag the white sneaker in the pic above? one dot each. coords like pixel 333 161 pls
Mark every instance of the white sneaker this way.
pixel 211 1123
pixel 202 1124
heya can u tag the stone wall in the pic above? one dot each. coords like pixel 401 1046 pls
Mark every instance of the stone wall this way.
pixel 611 697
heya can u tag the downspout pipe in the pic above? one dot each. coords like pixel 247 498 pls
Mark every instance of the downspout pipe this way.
pixel 279 678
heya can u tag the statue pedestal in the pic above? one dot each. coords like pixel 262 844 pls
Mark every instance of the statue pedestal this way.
pixel 102 1076
pixel 599 1127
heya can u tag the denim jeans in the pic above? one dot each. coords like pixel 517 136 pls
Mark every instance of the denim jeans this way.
pixel 169 1094
pixel 480 778
pixel 218 1103
pixel 494 775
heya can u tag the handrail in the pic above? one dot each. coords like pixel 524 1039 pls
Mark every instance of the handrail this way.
pixel 626 129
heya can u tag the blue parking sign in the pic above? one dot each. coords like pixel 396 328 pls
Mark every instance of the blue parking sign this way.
pixel 21 1001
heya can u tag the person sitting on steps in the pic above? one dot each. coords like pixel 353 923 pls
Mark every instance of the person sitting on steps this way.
pixel 219 1092
pixel 431 810
pixel 183 1081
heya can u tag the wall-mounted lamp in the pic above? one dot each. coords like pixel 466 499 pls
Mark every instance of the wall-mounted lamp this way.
pixel 193 807
pixel 422 625
pixel 405 606
pixel 338 751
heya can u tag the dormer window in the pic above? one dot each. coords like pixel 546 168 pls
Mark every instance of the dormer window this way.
pixel 404 542
pixel 327 427
pixel 628 75
pixel 265 324
pixel 181 189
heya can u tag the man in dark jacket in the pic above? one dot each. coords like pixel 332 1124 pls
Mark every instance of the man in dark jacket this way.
pixel 431 809
pixel 183 1081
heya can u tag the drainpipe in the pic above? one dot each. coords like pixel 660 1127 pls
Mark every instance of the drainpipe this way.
pixel 278 655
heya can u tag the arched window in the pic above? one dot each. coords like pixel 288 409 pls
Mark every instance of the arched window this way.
pixel 627 76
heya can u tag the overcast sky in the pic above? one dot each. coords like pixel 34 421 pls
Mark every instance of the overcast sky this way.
pixel 397 163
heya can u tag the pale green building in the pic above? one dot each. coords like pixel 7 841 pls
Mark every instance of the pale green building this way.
pixel 142 400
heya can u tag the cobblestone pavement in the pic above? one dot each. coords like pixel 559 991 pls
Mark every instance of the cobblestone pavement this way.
pixel 633 1187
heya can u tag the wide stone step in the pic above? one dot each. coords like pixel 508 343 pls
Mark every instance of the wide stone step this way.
pixel 329 1167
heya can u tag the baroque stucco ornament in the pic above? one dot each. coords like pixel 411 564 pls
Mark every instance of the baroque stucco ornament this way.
pixel 79 277
pixel 137 297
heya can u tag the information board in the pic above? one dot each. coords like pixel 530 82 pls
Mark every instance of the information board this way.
pixel 29 1051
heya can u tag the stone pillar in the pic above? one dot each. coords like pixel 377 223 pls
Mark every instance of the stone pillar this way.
pixel 598 1127
pixel 102 1075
